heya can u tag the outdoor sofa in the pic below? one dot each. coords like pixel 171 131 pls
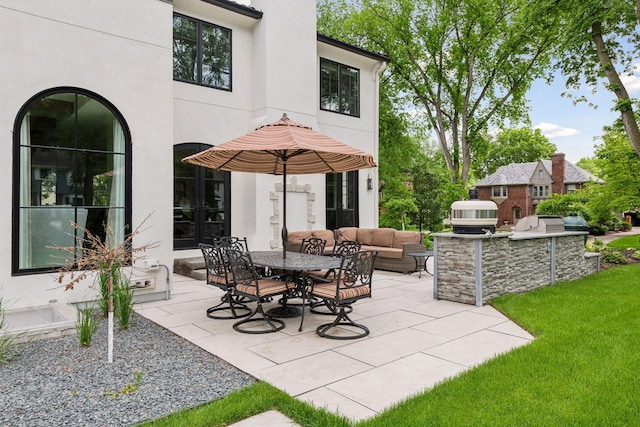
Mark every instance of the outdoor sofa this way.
pixel 393 245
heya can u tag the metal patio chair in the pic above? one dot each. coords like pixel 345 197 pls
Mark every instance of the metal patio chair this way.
pixel 249 284
pixel 345 248
pixel 218 275
pixel 352 283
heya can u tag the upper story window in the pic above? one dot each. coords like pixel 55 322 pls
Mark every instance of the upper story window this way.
pixel 540 190
pixel 339 88
pixel 201 53
pixel 500 191
pixel 540 174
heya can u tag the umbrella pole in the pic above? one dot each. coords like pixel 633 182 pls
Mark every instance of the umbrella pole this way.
pixel 284 209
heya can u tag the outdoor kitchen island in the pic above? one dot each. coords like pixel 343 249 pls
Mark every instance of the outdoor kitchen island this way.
pixel 475 268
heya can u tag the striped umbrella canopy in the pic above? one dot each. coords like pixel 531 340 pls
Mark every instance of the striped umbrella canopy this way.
pixel 283 147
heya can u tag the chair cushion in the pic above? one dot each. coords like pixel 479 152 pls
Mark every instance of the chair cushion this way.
pixel 325 235
pixel 297 236
pixel 347 233
pixel 267 287
pixel 328 290
pixel 363 235
pixel 382 237
pixel 214 279
pixel 383 252
pixel 328 250
pixel 402 237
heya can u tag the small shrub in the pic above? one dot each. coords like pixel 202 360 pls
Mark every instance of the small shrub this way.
pixel 596 246
pixel 636 255
pixel 86 325
pixel 123 302
pixel 613 257
pixel 103 301
pixel 625 226
pixel 597 229
pixel 6 339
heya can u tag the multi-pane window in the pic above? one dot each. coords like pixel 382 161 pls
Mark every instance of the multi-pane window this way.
pixel 201 53
pixel 339 88
pixel 540 190
pixel 499 191
pixel 72 165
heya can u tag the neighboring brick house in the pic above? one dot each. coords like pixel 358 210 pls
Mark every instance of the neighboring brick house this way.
pixel 517 188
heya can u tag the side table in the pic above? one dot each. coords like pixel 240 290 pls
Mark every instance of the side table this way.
pixel 425 255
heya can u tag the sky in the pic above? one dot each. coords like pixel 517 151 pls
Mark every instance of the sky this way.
pixel 570 127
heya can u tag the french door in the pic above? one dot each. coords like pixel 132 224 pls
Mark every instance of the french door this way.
pixel 342 200
pixel 201 200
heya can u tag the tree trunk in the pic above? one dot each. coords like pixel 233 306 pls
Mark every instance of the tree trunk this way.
pixel 624 105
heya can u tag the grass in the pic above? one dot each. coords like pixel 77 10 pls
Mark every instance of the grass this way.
pixel 580 371
pixel 627 242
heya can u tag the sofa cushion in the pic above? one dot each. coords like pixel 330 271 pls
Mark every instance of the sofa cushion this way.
pixel 363 235
pixel 347 233
pixel 382 237
pixel 384 252
pixel 297 236
pixel 402 237
pixel 325 235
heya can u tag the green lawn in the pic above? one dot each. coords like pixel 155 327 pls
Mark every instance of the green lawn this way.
pixel 627 242
pixel 582 370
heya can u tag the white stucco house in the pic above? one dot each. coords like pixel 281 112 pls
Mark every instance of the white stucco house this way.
pixel 101 99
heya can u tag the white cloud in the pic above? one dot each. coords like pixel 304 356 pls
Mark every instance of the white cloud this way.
pixel 551 130
pixel 631 82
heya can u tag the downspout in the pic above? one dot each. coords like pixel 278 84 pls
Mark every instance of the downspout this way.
pixel 377 70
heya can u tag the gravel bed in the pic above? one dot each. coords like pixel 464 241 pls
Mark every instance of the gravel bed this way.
pixel 55 382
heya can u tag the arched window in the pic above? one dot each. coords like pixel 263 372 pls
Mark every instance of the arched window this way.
pixel 72 162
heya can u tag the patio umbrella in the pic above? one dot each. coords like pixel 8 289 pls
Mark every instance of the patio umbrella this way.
pixel 279 148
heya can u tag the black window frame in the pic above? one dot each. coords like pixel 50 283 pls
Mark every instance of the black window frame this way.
pixel 199 56
pixel 16 171
pixel 341 102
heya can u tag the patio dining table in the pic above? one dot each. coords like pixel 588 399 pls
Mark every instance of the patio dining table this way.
pixel 295 263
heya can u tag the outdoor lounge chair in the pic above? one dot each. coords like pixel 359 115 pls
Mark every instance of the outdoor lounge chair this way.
pixel 219 276
pixel 249 284
pixel 353 282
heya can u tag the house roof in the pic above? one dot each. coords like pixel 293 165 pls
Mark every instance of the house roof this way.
pixel 352 48
pixel 521 173
pixel 236 7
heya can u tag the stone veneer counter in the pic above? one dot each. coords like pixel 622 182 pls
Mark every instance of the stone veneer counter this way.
pixel 475 268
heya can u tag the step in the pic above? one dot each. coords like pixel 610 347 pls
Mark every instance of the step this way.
pixel 184 266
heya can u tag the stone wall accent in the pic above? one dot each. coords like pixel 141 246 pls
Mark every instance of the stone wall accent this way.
pixel 508 263
pixel 293 187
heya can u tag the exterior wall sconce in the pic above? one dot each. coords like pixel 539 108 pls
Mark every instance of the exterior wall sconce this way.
pixel 369 182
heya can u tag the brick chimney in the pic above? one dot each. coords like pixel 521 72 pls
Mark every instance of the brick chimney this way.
pixel 557 172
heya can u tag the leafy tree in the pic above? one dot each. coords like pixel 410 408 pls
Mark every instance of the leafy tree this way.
pixel 463 65
pixel 514 146
pixel 429 179
pixel 620 168
pixel 564 204
pixel 600 38
pixel 589 164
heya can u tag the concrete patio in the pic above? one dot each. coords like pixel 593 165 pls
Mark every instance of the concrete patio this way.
pixel 415 342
